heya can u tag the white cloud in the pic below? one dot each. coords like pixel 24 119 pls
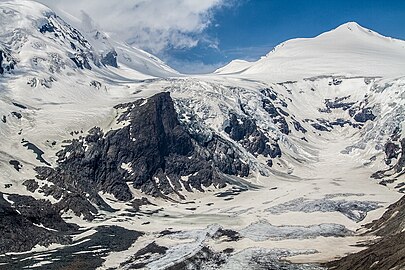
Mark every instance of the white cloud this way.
pixel 154 25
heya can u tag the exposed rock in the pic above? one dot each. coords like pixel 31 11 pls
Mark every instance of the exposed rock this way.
pixel 7 63
pixel 19 105
pixel 275 114
pixel 388 252
pixel 227 235
pixel 31 185
pixel 325 125
pixel 83 51
pixel 203 259
pixel 337 103
pixel 80 60
pixel 17 115
pixel 154 153
pixel 19 224
pixel 319 127
pixel 298 126
pixel 16 164
pixel 364 115
pixel 136 261
pixel 245 131
pixel 110 59
pixel 95 84
pixel 391 151
pixel 80 205
pixel 396 170
pixel 40 212
pixel 52 190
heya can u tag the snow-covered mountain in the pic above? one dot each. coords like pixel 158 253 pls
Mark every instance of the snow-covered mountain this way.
pixel 39 40
pixel 348 50
pixel 110 159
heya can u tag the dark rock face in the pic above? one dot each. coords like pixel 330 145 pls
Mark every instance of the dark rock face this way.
pixel 16 164
pixel 135 262
pixel 40 212
pixel 31 185
pixel 154 153
pixel 364 115
pixel 399 167
pixel 276 113
pixel 337 103
pixel 245 132
pixel 95 84
pixel 319 127
pixel 325 125
pixel 276 116
pixel 7 63
pixel 17 115
pixel 110 59
pixel 298 126
pixel 393 150
pixel 17 224
pixel 80 60
pixel 83 54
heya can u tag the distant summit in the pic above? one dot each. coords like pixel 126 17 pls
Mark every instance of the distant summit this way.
pixel 348 50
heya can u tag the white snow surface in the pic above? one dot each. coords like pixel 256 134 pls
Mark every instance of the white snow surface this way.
pixel 348 50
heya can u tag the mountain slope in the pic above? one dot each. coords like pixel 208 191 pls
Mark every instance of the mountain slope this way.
pixel 349 50
pixel 40 40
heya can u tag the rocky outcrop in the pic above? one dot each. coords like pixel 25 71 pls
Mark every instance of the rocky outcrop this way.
pixel 28 222
pixel 7 63
pixel 394 171
pixel 152 151
pixel 245 132
pixel 110 59
pixel 276 113
pixel 362 114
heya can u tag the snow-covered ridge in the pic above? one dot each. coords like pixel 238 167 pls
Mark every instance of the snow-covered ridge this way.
pixel 348 50
pixel 41 40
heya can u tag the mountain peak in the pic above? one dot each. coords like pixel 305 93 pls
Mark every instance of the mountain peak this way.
pixel 352 28
pixel 349 50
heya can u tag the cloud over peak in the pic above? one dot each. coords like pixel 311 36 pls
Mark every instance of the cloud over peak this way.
pixel 148 24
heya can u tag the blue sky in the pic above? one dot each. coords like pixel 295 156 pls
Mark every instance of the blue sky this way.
pixel 249 29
